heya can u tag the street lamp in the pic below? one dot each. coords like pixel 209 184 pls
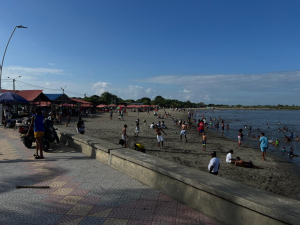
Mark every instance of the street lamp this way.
pixel 63 89
pixel 1 66
pixel 14 80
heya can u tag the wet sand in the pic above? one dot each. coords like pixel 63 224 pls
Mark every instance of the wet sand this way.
pixel 277 175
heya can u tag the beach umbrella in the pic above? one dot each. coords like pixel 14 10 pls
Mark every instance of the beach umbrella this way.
pixel 12 98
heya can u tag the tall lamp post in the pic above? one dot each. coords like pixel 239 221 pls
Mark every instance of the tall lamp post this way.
pixel 1 67
pixel 14 80
pixel 63 89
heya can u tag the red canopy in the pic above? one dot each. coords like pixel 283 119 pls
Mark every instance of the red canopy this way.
pixel 112 105
pixel 67 105
pixel 101 106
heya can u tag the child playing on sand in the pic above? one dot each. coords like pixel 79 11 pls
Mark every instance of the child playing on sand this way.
pixel 204 141
pixel 223 126
pixel 137 128
pixel 239 140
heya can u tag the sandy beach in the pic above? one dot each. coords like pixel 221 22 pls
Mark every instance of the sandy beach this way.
pixel 277 175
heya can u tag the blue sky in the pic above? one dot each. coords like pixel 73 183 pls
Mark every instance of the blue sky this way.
pixel 222 52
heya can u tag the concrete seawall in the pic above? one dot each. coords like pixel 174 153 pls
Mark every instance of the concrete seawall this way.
pixel 227 201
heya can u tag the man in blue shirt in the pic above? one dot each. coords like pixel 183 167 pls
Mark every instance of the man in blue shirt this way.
pixel 263 145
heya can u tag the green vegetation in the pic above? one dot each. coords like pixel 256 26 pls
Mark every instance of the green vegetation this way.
pixel 108 98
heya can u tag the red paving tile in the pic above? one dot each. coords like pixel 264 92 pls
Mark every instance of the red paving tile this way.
pixel 132 207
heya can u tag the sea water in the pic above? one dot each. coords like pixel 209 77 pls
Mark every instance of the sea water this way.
pixel 267 121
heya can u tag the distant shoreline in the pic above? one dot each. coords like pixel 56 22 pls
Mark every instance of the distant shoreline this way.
pixel 216 108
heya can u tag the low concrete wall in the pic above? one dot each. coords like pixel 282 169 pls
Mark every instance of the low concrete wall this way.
pixel 226 200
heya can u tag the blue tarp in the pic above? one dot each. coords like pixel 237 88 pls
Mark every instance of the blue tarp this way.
pixel 12 98
pixel 52 97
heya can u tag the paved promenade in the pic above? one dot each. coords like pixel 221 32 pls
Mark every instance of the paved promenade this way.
pixel 82 191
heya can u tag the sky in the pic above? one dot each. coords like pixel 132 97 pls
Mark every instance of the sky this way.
pixel 212 51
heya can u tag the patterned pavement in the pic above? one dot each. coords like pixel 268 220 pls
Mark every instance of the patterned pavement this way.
pixel 82 191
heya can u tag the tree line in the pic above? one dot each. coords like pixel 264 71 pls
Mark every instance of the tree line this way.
pixel 109 98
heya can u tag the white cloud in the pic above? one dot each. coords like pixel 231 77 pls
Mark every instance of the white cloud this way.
pixel 125 92
pixel 206 97
pixel 101 87
pixel 229 87
pixel 47 83
pixel 13 71
pixel 51 64
pixel 230 82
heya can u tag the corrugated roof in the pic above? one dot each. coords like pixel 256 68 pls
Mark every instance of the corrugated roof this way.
pixel 29 95
pixel 52 97
pixel 81 101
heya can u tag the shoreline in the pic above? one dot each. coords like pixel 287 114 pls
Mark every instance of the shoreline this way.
pixel 278 175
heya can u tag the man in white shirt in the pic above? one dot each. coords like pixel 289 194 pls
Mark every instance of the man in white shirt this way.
pixel 229 158
pixel 214 164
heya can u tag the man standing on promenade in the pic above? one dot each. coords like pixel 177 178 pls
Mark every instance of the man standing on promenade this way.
pixel 159 136
pixel 124 135
pixel 37 123
pixel 263 145
pixel 214 164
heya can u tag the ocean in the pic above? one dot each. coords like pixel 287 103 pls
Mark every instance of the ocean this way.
pixel 267 121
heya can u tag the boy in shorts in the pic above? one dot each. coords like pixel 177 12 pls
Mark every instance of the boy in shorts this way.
pixel 159 136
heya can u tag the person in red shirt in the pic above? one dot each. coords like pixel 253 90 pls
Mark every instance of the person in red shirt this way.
pixel 201 128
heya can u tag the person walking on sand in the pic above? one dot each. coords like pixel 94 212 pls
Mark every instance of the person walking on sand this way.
pixel 159 136
pixel 204 141
pixel 68 120
pixel 214 164
pixel 137 128
pixel 37 122
pixel 222 126
pixel 201 128
pixel 124 135
pixel 110 114
pixel 263 145
pixel 183 131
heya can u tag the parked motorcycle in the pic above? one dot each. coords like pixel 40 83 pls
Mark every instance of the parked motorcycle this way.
pixel 27 141
pixel 50 134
